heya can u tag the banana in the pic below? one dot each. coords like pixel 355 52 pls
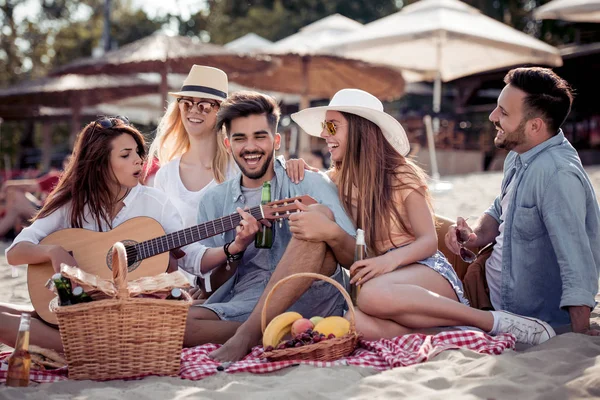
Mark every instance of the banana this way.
pixel 280 326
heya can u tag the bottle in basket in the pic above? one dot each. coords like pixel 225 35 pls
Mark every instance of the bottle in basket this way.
pixel 20 360
pixel 80 296
pixel 264 237
pixel 360 253
pixel 63 288
pixel 175 294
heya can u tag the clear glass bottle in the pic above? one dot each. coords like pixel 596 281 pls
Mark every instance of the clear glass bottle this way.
pixel 264 237
pixel 360 253
pixel 19 362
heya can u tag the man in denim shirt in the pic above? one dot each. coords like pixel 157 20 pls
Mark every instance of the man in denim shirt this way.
pixel 546 260
pixel 250 120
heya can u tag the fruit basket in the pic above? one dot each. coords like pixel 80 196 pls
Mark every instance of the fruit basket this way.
pixel 327 349
pixel 123 337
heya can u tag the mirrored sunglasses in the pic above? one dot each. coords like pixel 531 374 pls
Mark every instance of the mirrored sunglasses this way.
pixel 204 106
pixel 330 126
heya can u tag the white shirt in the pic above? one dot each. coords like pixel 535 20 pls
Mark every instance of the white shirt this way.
pixel 493 265
pixel 142 201
pixel 168 180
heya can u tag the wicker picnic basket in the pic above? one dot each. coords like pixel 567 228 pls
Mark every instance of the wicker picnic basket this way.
pixel 326 350
pixel 123 337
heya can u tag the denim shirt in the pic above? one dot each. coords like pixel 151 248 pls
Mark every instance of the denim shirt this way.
pixel 551 254
pixel 223 200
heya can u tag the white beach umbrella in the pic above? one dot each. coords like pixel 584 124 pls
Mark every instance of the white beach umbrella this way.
pixel 444 40
pixel 316 35
pixel 250 42
pixel 570 10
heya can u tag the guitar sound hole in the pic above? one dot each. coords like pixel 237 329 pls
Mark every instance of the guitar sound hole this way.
pixel 132 262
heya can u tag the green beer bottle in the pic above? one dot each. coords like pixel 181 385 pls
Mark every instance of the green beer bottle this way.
pixel 63 288
pixel 79 296
pixel 264 237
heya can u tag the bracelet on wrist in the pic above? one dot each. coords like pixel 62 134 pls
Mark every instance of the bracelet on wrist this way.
pixel 232 257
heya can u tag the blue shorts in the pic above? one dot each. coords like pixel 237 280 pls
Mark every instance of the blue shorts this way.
pixel 440 264
pixel 235 300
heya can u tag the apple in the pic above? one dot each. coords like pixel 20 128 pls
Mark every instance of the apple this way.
pixel 316 320
pixel 300 326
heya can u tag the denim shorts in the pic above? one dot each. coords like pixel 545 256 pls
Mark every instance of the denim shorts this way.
pixel 235 300
pixel 440 264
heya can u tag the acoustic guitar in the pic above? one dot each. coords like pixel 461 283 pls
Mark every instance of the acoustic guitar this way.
pixel 146 244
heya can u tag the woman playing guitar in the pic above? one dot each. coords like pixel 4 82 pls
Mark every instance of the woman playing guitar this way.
pixel 98 191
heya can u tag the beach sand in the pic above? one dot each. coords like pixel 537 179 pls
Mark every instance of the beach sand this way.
pixel 567 366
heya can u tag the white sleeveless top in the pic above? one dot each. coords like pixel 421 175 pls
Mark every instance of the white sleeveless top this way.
pixel 169 181
pixel 187 202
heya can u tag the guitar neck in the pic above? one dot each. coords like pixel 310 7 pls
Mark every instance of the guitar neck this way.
pixel 174 240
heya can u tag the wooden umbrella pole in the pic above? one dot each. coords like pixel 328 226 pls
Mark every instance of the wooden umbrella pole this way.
pixel 303 147
pixel 47 145
pixel 164 85
pixel 75 120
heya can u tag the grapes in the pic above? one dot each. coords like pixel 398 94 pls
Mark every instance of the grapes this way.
pixel 305 338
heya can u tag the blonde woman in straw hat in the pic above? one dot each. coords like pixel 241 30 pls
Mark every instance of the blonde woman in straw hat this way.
pixel 386 195
pixel 190 151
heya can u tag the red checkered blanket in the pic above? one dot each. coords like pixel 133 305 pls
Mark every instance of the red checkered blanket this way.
pixel 381 355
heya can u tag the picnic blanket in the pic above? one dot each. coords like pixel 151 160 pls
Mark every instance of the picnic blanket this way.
pixel 381 355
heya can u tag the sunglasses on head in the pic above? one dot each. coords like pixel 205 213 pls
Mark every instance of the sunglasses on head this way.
pixel 204 106
pixel 330 126
pixel 109 122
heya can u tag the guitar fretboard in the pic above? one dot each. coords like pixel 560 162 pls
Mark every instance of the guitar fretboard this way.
pixel 162 244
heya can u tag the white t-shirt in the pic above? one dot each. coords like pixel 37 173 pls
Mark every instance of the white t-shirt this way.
pixel 168 180
pixel 493 265
pixel 142 201
pixel 187 202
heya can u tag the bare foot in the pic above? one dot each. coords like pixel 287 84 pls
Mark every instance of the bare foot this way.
pixel 234 349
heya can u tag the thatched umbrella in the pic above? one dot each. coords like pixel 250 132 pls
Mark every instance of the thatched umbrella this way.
pixel 300 67
pixel 164 54
pixel 70 91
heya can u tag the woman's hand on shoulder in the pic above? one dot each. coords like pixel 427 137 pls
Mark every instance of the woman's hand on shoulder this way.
pixel 295 169
pixel 365 270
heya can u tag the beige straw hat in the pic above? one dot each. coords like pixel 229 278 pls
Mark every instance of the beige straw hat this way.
pixel 361 103
pixel 204 82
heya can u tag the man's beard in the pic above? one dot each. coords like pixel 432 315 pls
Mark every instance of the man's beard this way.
pixel 511 139
pixel 256 174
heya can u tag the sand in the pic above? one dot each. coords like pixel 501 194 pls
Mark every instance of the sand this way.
pixel 567 366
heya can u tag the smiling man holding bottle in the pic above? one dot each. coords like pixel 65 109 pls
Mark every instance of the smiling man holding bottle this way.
pixel 232 313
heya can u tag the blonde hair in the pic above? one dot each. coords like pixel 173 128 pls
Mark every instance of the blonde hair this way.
pixel 172 141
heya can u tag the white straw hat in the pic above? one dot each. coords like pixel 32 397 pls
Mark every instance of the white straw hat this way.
pixel 204 82
pixel 361 103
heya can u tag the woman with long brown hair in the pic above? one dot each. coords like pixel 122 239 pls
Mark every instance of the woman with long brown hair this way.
pixel 98 191
pixel 406 282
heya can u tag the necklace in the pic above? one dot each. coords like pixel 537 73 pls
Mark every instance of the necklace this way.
pixel 125 195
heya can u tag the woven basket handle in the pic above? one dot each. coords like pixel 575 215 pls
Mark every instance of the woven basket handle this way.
pixel 119 270
pixel 309 275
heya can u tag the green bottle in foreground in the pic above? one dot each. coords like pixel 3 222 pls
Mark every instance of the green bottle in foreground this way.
pixel 63 288
pixel 264 237
pixel 80 296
